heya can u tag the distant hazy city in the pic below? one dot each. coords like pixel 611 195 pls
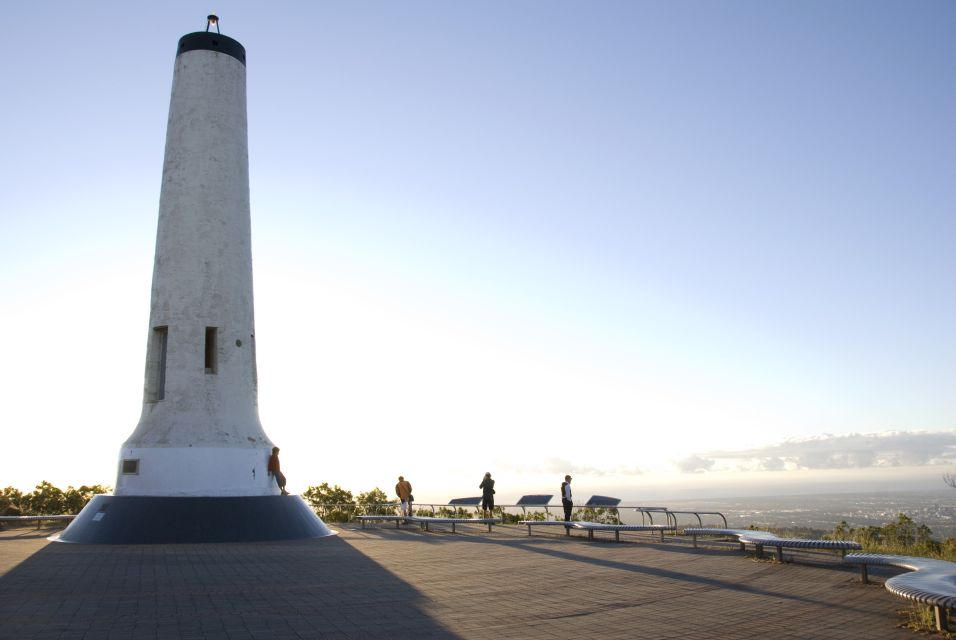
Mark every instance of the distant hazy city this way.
pixel 935 509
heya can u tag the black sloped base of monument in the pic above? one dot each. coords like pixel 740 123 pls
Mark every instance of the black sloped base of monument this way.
pixel 161 520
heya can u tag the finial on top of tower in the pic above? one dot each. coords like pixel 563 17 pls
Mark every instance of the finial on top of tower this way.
pixel 211 41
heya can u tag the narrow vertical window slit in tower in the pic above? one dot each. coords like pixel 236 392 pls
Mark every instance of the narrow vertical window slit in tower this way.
pixel 156 363
pixel 211 349
pixel 255 370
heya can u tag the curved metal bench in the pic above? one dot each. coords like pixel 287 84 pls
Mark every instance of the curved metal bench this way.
pixel 424 521
pixel 397 519
pixel 932 582
pixel 548 523
pixel 760 539
pixel 591 527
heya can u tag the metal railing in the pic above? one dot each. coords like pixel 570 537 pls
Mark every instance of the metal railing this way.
pixel 346 512
pixel 37 519
pixel 698 514
pixel 349 510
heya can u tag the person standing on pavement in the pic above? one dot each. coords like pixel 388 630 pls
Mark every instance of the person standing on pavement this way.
pixel 404 492
pixel 487 487
pixel 566 498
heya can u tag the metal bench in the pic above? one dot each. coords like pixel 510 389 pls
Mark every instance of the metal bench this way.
pixel 425 521
pixel 932 582
pixel 595 502
pixel 398 519
pixel 591 527
pixel 761 539
pixel 548 523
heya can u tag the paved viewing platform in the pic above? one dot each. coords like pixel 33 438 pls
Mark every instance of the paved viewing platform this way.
pixel 388 582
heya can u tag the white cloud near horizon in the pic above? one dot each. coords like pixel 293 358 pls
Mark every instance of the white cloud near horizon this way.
pixel 558 466
pixel 695 464
pixel 828 452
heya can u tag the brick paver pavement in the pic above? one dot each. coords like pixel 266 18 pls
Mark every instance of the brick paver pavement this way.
pixel 384 582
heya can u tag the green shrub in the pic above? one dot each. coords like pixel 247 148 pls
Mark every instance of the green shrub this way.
pixel 47 500
pixel 332 504
pixel 605 515
pixel 903 537
pixel 375 502
pixel 10 502
pixel 75 499
pixel 455 512
pixel 532 515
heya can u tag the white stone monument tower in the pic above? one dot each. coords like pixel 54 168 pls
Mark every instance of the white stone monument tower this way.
pixel 195 467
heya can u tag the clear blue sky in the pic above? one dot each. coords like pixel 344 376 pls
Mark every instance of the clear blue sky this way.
pixel 660 246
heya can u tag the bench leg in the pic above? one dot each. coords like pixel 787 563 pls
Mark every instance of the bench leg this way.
pixel 864 576
pixel 617 536
pixel 942 618
pixel 779 554
pixel 695 541
pixel 398 523
pixel 662 535
pixel 489 527
pixel 759 549
pixel 363 524
pixel 453 527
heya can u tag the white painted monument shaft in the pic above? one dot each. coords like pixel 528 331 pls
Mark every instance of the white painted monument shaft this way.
pixel 199 433
pixel 195 468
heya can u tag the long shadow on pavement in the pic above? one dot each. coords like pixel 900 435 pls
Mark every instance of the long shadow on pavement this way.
pixel 311 588
pixel 545 546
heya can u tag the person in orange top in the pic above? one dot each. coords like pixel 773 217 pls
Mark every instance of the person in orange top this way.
pixel 404 492
pixel 275 471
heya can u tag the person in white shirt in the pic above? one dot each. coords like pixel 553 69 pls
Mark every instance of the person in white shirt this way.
pixel 566 498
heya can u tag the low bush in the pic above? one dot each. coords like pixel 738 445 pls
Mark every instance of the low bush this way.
pixel 48 500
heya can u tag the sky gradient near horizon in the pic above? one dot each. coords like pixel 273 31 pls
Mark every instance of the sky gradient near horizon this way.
pixel 681 246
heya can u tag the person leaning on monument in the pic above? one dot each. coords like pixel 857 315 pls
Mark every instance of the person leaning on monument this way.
pixel 404 492
pixel 487 487
pixel 274 470
pixel 566 498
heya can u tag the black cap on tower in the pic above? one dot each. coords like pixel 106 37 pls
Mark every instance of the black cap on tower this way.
pixel 212 42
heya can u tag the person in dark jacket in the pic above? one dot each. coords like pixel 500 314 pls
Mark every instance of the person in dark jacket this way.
pixel 487 487
pixel 566 498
